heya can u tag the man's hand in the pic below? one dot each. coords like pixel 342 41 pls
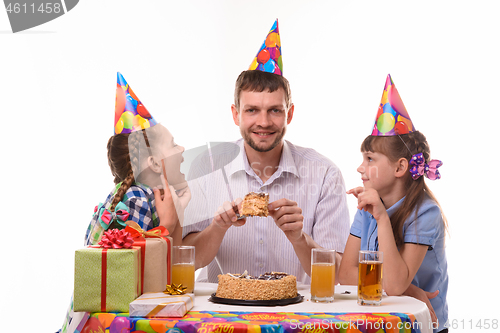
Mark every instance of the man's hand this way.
pixel 288 217
pixel 226 215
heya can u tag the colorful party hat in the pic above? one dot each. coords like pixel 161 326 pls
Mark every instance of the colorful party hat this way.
pixel 130 114
pixel 268 59
pixel 392 117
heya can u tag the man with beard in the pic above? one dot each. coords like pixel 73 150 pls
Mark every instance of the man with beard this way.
pixel 307 195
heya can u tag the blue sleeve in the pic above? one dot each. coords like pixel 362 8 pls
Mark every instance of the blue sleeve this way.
pixel 140 212
pixel 357 224
pixel 426 228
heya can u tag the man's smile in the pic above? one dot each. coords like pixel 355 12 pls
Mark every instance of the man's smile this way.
pixel 263 134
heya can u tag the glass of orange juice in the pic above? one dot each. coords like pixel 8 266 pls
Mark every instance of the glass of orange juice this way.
pixel 183 267
pixel 322 275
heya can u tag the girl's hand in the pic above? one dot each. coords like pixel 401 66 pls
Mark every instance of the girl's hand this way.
pixel 369 201
pixel 355 191
pixel 170 205
pixel 423 296
pixel 181 199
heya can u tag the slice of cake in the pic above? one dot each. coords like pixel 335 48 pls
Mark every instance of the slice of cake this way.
pixel 255 204
pixel 268 286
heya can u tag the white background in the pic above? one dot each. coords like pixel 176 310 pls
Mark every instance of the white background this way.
pixel 57 91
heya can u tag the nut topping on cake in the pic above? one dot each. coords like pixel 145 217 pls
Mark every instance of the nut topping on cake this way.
pixel 241 276
pixel 272 276
pixel 268 286
pixel 255 204
pixel 265 276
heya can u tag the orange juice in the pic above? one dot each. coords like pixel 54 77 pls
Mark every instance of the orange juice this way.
pixel 322 281
pixel 184 273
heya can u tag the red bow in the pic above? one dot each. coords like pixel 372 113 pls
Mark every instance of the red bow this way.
pixel 116 239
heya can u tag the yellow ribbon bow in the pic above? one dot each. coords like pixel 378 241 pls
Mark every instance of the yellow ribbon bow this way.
pixel 157 232
pixel 175 289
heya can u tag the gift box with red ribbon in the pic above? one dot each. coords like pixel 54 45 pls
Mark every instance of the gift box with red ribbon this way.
pixel 107 278
pixel 156 256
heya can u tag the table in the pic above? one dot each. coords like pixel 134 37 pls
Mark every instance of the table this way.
pixel 344 315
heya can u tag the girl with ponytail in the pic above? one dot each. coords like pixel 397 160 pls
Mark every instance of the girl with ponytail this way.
pixel 397 212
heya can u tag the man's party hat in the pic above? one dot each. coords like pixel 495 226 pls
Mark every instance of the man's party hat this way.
pixel 392 117
pixel 130 114
pixel 268 59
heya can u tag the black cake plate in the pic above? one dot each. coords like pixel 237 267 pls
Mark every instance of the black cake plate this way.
pixel 272 302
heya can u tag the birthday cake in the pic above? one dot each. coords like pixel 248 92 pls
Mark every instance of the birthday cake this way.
pixel 255 204
pixel 268 286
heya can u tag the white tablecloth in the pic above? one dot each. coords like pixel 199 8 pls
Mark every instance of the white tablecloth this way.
pixel 342 303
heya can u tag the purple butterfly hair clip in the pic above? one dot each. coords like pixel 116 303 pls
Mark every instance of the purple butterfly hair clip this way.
pixel 419 167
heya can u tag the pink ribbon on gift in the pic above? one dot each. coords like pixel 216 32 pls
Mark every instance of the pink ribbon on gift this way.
pixel 116 239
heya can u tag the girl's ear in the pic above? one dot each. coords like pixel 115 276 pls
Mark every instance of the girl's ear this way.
pixel 402 167
pixel 154 164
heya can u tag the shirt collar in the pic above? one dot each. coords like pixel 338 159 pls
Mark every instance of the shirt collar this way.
pixel 240 163
pixel 287 163
pixel 395 207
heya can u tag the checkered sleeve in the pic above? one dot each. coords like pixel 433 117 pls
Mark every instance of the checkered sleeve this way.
pixel 141 206
pixel 92 225
pixel 87 233
pixel 94 230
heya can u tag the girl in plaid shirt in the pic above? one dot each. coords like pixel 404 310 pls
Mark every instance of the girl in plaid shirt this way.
pixel 140 154
pixel 141 198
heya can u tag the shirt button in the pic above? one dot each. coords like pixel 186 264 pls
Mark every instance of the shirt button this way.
pixel 261 265
pixel 261 241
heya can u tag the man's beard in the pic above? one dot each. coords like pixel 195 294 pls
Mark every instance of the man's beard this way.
pixel 249 141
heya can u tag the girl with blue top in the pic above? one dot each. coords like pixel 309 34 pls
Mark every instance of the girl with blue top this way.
pixel 397 213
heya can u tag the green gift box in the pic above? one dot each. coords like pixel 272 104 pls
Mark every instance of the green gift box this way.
pixel 106 280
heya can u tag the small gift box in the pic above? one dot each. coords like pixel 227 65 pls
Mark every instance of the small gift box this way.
pixel 107 278
pixel 161 305
pixel 156 256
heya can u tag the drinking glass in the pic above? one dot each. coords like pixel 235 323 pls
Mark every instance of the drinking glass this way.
pixel 370 278
pixel 183 267
pixel 322 275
